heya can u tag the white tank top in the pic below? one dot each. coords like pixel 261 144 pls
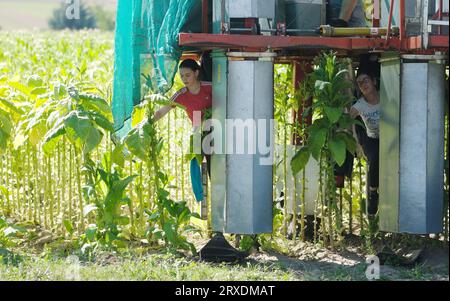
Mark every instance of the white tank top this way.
pixel 370 114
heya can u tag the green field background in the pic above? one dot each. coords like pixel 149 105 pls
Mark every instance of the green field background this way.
pixel 34 14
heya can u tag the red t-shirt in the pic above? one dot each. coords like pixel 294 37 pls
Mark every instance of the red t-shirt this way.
pixel 195 102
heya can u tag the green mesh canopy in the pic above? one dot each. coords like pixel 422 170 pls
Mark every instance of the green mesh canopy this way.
pixel 146 51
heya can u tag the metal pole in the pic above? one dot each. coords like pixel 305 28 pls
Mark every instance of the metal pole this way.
pixel 441 5
pixel 424 24
pixel 205 7
pixel 391 12
pixel 328 31
pixel 402 22
pixel 376 14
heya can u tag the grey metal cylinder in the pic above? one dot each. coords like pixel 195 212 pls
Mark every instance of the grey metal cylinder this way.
pixel 241 185
pixel 411 144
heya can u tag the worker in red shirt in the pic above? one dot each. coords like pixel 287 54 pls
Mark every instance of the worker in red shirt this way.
pixel 195 98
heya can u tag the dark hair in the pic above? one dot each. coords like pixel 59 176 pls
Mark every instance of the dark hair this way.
pixel 190 64
pixel 367 72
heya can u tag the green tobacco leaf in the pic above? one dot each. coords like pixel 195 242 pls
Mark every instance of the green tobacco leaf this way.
pixel 19 140
pixel 76 128
pixel 350 142
pixel 117 155
pixel 20 87
pixel 119 186
pixel 123 220
pixel 138 115
pixel 68 225
pixel 103 122
pixel 346 121
pixel 93 139
pixel 52 137
pixel 120 244
pixel 333 114
pixel 10 231
pixel 184 216
pixel 88 209
pixel 90 232
pixel 138 141
pixel 316 141
pixel 340 73
pixel 5 123
pixel 162 193
pixel 34 81
pixel 95 103
pixel 81 132
pixel 320 85
pixel 10 107
pixel 300 160
pixel 38 91
pixel 338 151
pixel 170 232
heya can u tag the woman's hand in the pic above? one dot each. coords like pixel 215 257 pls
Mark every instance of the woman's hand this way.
pixel 161 113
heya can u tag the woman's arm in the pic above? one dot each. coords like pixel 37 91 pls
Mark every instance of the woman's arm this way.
pixel 354 112
pixel 162 112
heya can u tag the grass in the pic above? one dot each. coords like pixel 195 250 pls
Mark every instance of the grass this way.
pixel 143 264
pixel 157 267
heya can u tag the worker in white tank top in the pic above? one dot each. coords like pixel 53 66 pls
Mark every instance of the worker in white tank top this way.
pixel 368 107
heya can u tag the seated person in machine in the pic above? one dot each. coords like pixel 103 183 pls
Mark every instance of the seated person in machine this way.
pixel 346 13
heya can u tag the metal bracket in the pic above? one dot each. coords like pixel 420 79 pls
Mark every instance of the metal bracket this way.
pixel 425 35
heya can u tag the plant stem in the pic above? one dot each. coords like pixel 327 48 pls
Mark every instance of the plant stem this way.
pixel 303 204
pixel 70 182
pixel 350 214
pixel 285 211
pixel 17 182
pixel 80 196
pixel 141 197
pixel 28 181
pixel 361 221
pixel 131 200
pixel 37 189
pixel 322 202
pixel 49 191
pixel 176 159
pixel 45 198
pixel 63 183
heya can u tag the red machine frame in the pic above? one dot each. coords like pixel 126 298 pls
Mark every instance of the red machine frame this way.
pixel 310 45
pixel 401 43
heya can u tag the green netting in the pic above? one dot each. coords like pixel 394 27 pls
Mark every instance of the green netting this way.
pixel 146 51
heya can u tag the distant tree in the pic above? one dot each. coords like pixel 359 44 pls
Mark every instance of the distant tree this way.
pixel 105 19
pixel 63 18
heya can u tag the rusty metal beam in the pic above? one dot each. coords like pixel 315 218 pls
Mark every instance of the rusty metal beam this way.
pixel 263 43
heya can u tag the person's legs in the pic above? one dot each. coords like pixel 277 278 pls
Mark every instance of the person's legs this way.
pixel 358 16
pixel 346 13
pixel 371 151
pixel 347 8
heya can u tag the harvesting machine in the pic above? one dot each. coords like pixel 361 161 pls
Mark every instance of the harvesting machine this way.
pixel 245 38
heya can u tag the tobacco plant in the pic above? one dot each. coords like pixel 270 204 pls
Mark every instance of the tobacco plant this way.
pixel 167 219
pixel 328 136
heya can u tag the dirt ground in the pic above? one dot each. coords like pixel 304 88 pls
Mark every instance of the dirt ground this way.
pixel 429 261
